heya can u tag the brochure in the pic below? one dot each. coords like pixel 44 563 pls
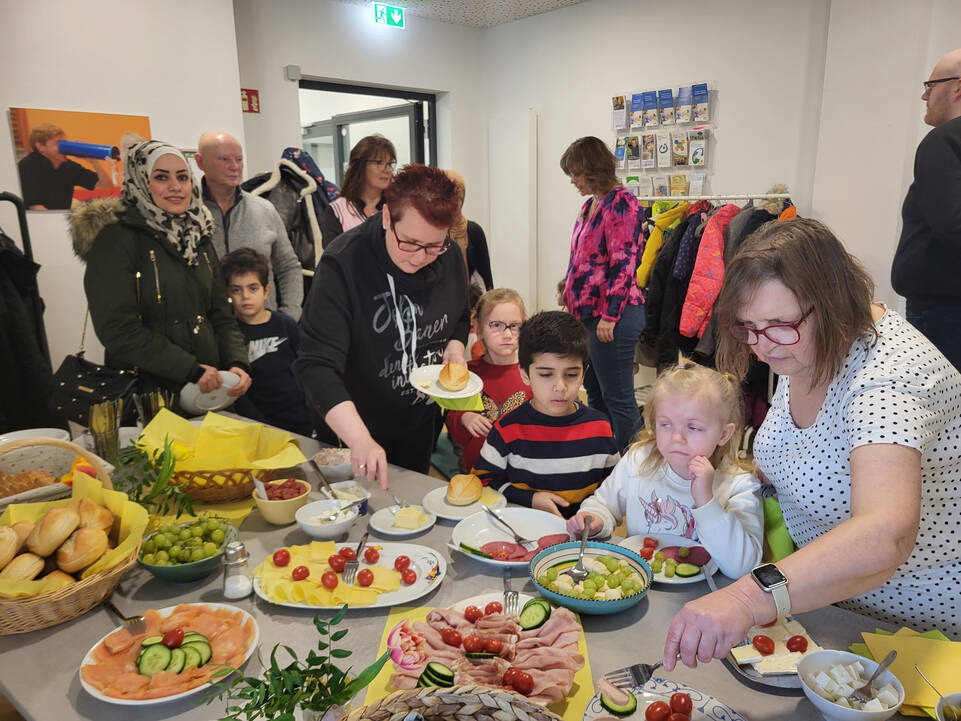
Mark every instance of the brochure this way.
pixel 637 110
pixel 663 150
pixel 620 112
pixel 700 97
pixel 679 184
pixel 665 101
pixel 697 146
pixel 660 185
pixel 679 147
pixel 633 184
pixel 648 151
pixel 633 152
pixel 649 98
pixel 620 149
pixel 684 101
pixel 697 183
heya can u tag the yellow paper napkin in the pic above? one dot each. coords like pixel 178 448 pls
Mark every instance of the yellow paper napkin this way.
pixel 940 661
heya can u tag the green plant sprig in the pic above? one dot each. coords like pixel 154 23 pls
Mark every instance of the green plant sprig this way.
pixel 145 478
pixel 316 683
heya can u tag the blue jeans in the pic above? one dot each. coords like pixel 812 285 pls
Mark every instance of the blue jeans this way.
pixel 942 326
pixel 609 379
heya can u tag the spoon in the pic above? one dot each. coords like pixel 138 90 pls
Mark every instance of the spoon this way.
pixel 951 713
pixel 578 573
pixel 336 512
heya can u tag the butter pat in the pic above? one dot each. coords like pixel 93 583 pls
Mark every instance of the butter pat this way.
pixel 489 496
pixel 410 518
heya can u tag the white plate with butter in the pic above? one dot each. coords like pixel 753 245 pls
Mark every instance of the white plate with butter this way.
pixel 398 522
pixel 436 502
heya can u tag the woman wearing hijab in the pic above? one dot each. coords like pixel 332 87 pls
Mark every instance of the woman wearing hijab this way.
pixel 470 238
pixel 156 295
pixel 368 174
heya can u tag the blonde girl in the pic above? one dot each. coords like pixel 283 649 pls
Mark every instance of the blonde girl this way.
pixel 682 476
pixel 498 317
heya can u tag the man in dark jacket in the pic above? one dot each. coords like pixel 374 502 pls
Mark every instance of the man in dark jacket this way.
pixel 927 263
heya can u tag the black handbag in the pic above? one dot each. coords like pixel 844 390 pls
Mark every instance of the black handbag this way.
pixel 78 384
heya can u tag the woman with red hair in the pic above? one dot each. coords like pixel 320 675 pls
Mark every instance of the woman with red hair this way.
pixel 386 298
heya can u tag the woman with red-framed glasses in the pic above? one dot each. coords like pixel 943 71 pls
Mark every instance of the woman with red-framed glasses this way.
pixel 862 443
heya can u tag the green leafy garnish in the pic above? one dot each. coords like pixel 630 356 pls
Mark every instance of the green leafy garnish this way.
pixel 145 478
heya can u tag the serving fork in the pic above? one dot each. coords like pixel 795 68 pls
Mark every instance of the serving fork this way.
pixel 511 597
pixel 350 568
pixel 517 537
pixel 632 676
pixel 134 624
pixel 863 693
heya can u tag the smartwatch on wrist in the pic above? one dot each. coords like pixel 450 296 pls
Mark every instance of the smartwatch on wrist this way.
pixel 771 580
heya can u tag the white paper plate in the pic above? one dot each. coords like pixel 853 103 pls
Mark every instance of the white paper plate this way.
pixel 435 501
pixel 480 528
pixel 424 379
pixel 164 612
pixel 383 522
pixel 635 543
pixel 193 401
pixel 705 707
pixel 429 565
pixel 57 433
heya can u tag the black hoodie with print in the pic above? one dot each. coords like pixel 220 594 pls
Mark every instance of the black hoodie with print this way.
pixel 351 347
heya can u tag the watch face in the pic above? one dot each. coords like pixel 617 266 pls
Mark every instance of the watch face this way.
pixel 768 575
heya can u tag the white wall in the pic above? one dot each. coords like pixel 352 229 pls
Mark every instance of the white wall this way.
pixel 176 63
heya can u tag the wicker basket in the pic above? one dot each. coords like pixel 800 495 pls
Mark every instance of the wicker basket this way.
pixel 231 484
pixel 459 703
pixel 20 615
pixel 48 454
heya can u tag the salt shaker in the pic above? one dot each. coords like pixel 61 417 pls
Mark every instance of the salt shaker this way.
pixel 237 583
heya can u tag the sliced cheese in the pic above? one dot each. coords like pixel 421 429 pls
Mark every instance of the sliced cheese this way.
pixel 779 663
pixel 409 517
pixel 489 496
pixel 746 654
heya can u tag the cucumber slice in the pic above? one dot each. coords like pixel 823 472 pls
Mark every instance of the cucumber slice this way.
pixel 423 682
pixel 474 551
pixel 539 601
pixel 686 570
pixel 177 660
pixel 533 615
pixel 620 709
pixel 192 636
pixel 481 655
pixel 202 648
pixel 155 657
pixel 191 656
pixel 151 640
pixel 440 673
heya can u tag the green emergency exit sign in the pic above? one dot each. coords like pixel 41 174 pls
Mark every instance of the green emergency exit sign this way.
pixel 390 15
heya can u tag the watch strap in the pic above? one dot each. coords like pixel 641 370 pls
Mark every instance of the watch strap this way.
pixel 782 600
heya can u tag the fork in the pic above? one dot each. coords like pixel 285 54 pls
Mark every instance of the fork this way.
pixel 511 598
pixel 632 676
pixel 135 625
pixel 517 537
pixel 350 568
pixel 863 693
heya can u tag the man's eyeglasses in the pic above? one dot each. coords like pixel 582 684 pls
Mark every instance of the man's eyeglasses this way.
pixel 388 164
pixel 411 246
pixel 499 326
pixel 929 84
pixel 779 333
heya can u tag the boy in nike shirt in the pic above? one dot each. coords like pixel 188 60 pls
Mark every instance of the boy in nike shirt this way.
pixel 272 341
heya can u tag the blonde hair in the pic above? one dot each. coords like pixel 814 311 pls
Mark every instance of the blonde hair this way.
pixel 687 378
pixel 492 298
pixel 42 132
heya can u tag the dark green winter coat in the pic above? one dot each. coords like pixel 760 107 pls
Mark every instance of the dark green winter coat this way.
pixel 151 310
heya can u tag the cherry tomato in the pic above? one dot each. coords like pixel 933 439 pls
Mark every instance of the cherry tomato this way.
pixel 493 645
pixel 523 683
pixel 657 711
pixel 797 643
pixel 451 636
pixel 681 703
pixel 348 553
pixel 281 557
pixel 173 638
pixel 474 644
pixel 365 577
pixel 300 573
pixel 651 542
pixel 509 675
pixel 473 613
pixel 371 555
pixel 493 607
pixel 647 553
pixel 329 579
pixel 769 623
pixel 401 562
pixel 337 563
pixel 763 644
pixel 408 576
pixel 678 717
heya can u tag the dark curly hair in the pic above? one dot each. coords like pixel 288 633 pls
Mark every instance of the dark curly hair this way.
pixel 552 331
pixel 245 260
pixel 428 190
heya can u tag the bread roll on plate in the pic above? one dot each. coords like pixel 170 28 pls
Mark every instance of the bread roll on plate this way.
pixel 84 547
pixel 52 530
pixel 453 377
pixel 464 489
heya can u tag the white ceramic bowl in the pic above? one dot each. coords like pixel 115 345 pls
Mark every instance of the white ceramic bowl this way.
pixel 324 531
pixel 193 401
pixel 334 463
pixel 817 661
pixel 952 698
pixel 351 491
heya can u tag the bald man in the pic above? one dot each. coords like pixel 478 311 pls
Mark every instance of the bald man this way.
pixel 927 263
pixel 242 220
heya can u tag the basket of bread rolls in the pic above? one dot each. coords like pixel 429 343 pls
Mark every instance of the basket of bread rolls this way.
pixel 59 559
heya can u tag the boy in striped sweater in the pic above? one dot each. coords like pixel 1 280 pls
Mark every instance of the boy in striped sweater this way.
pixel 553 451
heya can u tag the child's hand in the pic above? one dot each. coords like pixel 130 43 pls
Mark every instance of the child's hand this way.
pixel 547 501
pixel 575 525
pixel 476 424
pixel 702 480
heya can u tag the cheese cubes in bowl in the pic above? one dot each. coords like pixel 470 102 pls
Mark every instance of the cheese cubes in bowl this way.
pixel 830 677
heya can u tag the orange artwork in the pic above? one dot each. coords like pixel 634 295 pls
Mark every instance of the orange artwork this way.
pixel 66 157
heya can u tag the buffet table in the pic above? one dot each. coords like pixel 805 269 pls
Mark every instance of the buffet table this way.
pixel 39 670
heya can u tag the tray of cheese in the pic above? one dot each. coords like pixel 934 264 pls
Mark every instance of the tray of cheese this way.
pixel 770 654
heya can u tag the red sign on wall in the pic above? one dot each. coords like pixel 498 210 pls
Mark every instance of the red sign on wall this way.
pixel 250 100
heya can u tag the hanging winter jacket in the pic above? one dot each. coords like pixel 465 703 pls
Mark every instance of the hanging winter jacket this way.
pixel 707 276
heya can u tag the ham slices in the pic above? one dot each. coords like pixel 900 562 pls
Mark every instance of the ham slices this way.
pixel 506 551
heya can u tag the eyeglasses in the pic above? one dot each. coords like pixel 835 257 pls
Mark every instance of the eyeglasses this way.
pixel 388 164
pixel 929 84
pixel 412 246
pixel 499 326
pixel 779 333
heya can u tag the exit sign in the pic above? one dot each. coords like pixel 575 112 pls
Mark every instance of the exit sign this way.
pixel 390 15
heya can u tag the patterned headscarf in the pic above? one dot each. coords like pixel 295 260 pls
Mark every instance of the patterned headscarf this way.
pixel 184 230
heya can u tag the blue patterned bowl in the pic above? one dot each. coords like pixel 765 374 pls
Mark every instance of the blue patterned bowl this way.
pixel 567 552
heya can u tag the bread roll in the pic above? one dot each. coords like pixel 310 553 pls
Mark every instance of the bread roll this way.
pixel 24 567
pixel 92 514
pixel 84 547
pixel 63 579
pixel 9 545
pixel 52 530
pixel 23 529
pixel 453 377
pixel 463 489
